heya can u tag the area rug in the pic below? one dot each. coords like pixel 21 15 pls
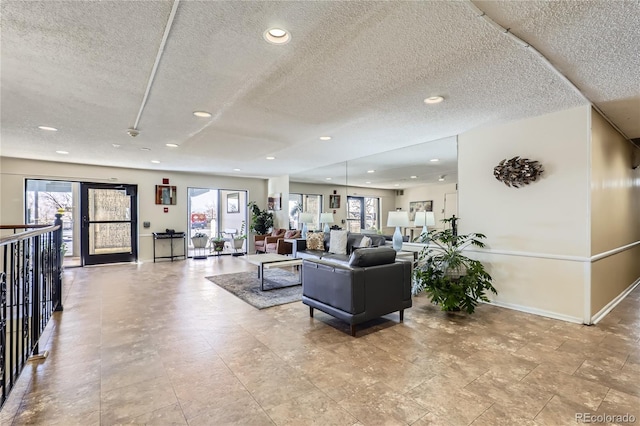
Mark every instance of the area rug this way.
pixel 246 286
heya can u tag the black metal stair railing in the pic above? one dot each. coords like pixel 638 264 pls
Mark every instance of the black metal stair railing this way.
pixel 30 292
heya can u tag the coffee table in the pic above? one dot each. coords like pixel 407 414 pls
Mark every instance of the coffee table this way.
pixel 270 260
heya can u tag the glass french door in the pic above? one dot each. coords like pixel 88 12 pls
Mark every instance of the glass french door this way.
pixel 109 223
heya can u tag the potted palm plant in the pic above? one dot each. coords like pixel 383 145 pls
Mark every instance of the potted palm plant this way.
pixel 452 280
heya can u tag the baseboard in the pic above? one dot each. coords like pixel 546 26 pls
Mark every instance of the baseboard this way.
pixel 609 306
pixel 540 312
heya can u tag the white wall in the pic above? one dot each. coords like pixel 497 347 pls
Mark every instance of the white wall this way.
pixel 538 235
pixel 13 173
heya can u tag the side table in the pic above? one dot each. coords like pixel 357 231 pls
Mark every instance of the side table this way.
pixel 171 237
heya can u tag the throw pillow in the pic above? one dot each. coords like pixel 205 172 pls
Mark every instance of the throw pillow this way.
pixel 290 233
pixel 338 242
pixel 365 242
pixel 315 241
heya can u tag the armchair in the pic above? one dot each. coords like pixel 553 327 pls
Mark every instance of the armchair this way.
pixel 261 241
pixel 280 246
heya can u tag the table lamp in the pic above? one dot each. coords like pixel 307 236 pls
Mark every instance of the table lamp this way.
pixel 326 218
pixel 397 219
pixel 425 219
pixel 304 219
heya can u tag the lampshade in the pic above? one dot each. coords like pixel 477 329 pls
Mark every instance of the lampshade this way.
pixel 306 218
pixel 398 218
pixel 425 219
pixel 326 217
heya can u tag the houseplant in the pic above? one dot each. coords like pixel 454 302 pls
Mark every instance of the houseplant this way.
pixel 261 220
pixel 238 240
pixel 217 243
pixel 199 240
pixel 452 280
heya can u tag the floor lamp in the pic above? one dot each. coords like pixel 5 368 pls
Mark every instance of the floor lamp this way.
pixel 397 219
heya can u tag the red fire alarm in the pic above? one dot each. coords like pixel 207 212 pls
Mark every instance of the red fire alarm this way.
pixel 165 181
pixel 334 212
pixel 166 209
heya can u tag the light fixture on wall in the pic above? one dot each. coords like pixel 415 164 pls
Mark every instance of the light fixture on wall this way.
pixel 397 219
pixel 304 219
pixel 326 218
pixel 425 219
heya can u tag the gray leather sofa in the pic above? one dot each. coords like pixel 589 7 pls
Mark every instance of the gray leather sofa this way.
pixel 371 284
pixel 353 241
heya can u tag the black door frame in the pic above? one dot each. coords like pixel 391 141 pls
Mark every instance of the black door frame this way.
pixel 98 259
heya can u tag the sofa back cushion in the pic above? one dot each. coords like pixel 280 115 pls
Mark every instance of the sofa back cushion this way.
pixel 292 233
pixel 373 256
pixel 338 242
pixel 278 232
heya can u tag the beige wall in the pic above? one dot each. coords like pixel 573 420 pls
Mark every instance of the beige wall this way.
pixel 13 173
pixel 538 235
pixel 280 185
pixel 433 192
pixel 615 213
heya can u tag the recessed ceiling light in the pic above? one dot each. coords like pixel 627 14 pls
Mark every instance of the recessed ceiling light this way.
pixel 172 145
pixel 271 158
pixel 434 160
pixel 202 114
pixel 414 177
pixel 368 181
pixel 441 178
pixel 145 149
pixel 155 161
pixel 325 138
pixel 236 170
pixel 51 129
pixel 115 145
pixel 371 171
pixel 277 36
pixel 62 152
pixel 327 178
pixel 434 100
pixel 397 184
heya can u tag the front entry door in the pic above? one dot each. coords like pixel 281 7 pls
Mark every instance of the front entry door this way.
pixel 109 223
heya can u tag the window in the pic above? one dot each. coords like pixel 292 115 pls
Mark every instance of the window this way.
pixel 308 203
pixel 363 213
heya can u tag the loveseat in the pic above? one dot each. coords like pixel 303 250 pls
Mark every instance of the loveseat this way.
pixel 280 246
pixel 302 251
pixel 370 284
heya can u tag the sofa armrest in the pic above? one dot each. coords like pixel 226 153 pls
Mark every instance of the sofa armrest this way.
pixel 260 237
pixel 269 239
pixel 299 245
pixel 284 247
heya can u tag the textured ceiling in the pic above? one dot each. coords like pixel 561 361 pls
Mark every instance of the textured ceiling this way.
pixel 357 71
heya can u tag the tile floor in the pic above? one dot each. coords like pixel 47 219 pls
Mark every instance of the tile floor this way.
pixel 160 344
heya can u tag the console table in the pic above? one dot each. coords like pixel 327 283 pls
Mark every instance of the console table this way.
pixel 171 237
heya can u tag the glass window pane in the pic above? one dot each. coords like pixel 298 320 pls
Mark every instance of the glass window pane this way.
pixel 109 238
pixel 109 204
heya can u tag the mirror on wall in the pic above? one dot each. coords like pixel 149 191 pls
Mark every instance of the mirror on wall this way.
pixel 396 178
pixel 399 168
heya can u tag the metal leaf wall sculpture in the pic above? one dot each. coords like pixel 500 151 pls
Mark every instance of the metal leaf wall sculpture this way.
pixel 517 171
